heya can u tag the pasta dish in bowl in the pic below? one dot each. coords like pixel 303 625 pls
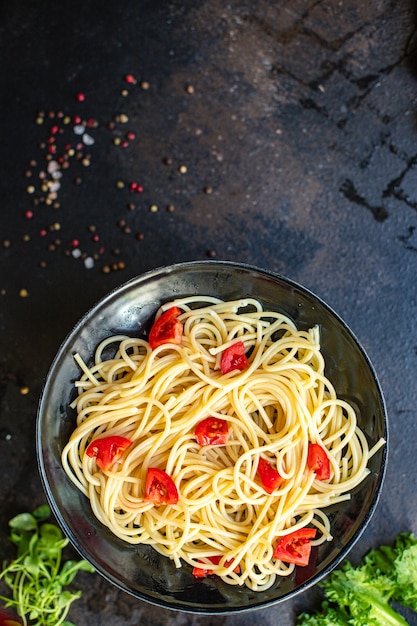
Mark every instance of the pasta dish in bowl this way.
pixel 212 437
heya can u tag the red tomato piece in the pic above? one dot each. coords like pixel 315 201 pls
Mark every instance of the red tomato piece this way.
pixel 318 461
pixel 295 547
pixel 107 450
pixel 202 572
pixel 269 476
pixel 166 329
pixel 9 618
pixel 234 358
pixel 212 431
pixel 160 488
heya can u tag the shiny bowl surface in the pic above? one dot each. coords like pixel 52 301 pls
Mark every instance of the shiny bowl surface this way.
pixel 141 571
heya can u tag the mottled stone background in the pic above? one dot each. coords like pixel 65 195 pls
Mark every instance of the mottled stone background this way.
pixel 296 123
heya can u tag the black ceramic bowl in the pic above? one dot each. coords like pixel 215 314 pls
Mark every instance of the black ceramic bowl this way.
pixel 141 571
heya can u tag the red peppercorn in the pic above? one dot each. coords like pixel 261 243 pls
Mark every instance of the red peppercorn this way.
pixel 130 136
pixel 77 119
pixel 75 243
pixel 80 97
pixel 29 215
pixel 129 78
pixel 133 186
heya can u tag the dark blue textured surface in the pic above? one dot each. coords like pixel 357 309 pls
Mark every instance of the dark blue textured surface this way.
pixel 296 121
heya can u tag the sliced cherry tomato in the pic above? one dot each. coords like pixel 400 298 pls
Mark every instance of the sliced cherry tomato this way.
pixel 166 329
pixel 107 450
pixel 212 431
pixel 202 572
pixel 269 476
pixel 234 358
pixel 160 488
pixel 295 547
pixel 9 618
pixel 318 461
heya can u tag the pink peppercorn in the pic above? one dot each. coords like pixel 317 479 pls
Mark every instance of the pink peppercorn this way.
pixel 29 215
pixel 80 97
pixel 129 78
pixel 136 187
pixel 75 243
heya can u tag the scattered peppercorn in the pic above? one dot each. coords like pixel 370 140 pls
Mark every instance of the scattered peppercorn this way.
pixel 64 146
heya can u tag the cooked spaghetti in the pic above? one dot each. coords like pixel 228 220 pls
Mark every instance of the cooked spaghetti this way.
pixel 275 408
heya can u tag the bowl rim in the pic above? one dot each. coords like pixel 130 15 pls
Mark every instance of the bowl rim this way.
pixel 118 290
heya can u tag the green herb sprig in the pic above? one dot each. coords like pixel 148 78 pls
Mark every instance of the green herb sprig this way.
pixel 38 575
pixel 354 596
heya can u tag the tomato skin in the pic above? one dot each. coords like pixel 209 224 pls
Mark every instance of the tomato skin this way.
pixel 202 572
pixel 9 618
pixel 234 358
pixel 107 450
pixel 160 488
pixel 295 547
pixel 166 329
pixel 212 431
pixel 269 477
pixel 318 461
